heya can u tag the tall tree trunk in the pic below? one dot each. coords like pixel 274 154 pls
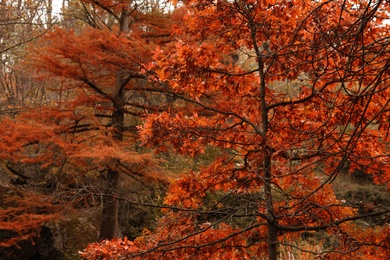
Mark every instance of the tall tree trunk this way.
pixel 109 225
pixel 272 238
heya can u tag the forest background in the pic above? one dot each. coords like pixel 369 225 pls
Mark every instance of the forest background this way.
pixel 194 130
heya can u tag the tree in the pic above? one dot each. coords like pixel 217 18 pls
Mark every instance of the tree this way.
pixel 22 213
pixel 312 103
pixel 96 99
pixel 105 63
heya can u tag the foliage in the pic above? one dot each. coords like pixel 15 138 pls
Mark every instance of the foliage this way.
pixel 288 147
pixel 22 217
pixel 95 99
pixel 265 105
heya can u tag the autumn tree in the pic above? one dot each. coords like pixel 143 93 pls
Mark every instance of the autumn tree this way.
pixel 22 213
pixel 97 96
pixel 293 93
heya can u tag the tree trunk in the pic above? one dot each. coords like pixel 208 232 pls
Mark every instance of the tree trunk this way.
pixel 272 241
pixel 109 226
pixel 272 238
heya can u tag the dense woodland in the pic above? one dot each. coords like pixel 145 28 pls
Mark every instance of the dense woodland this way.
pixel 225 129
